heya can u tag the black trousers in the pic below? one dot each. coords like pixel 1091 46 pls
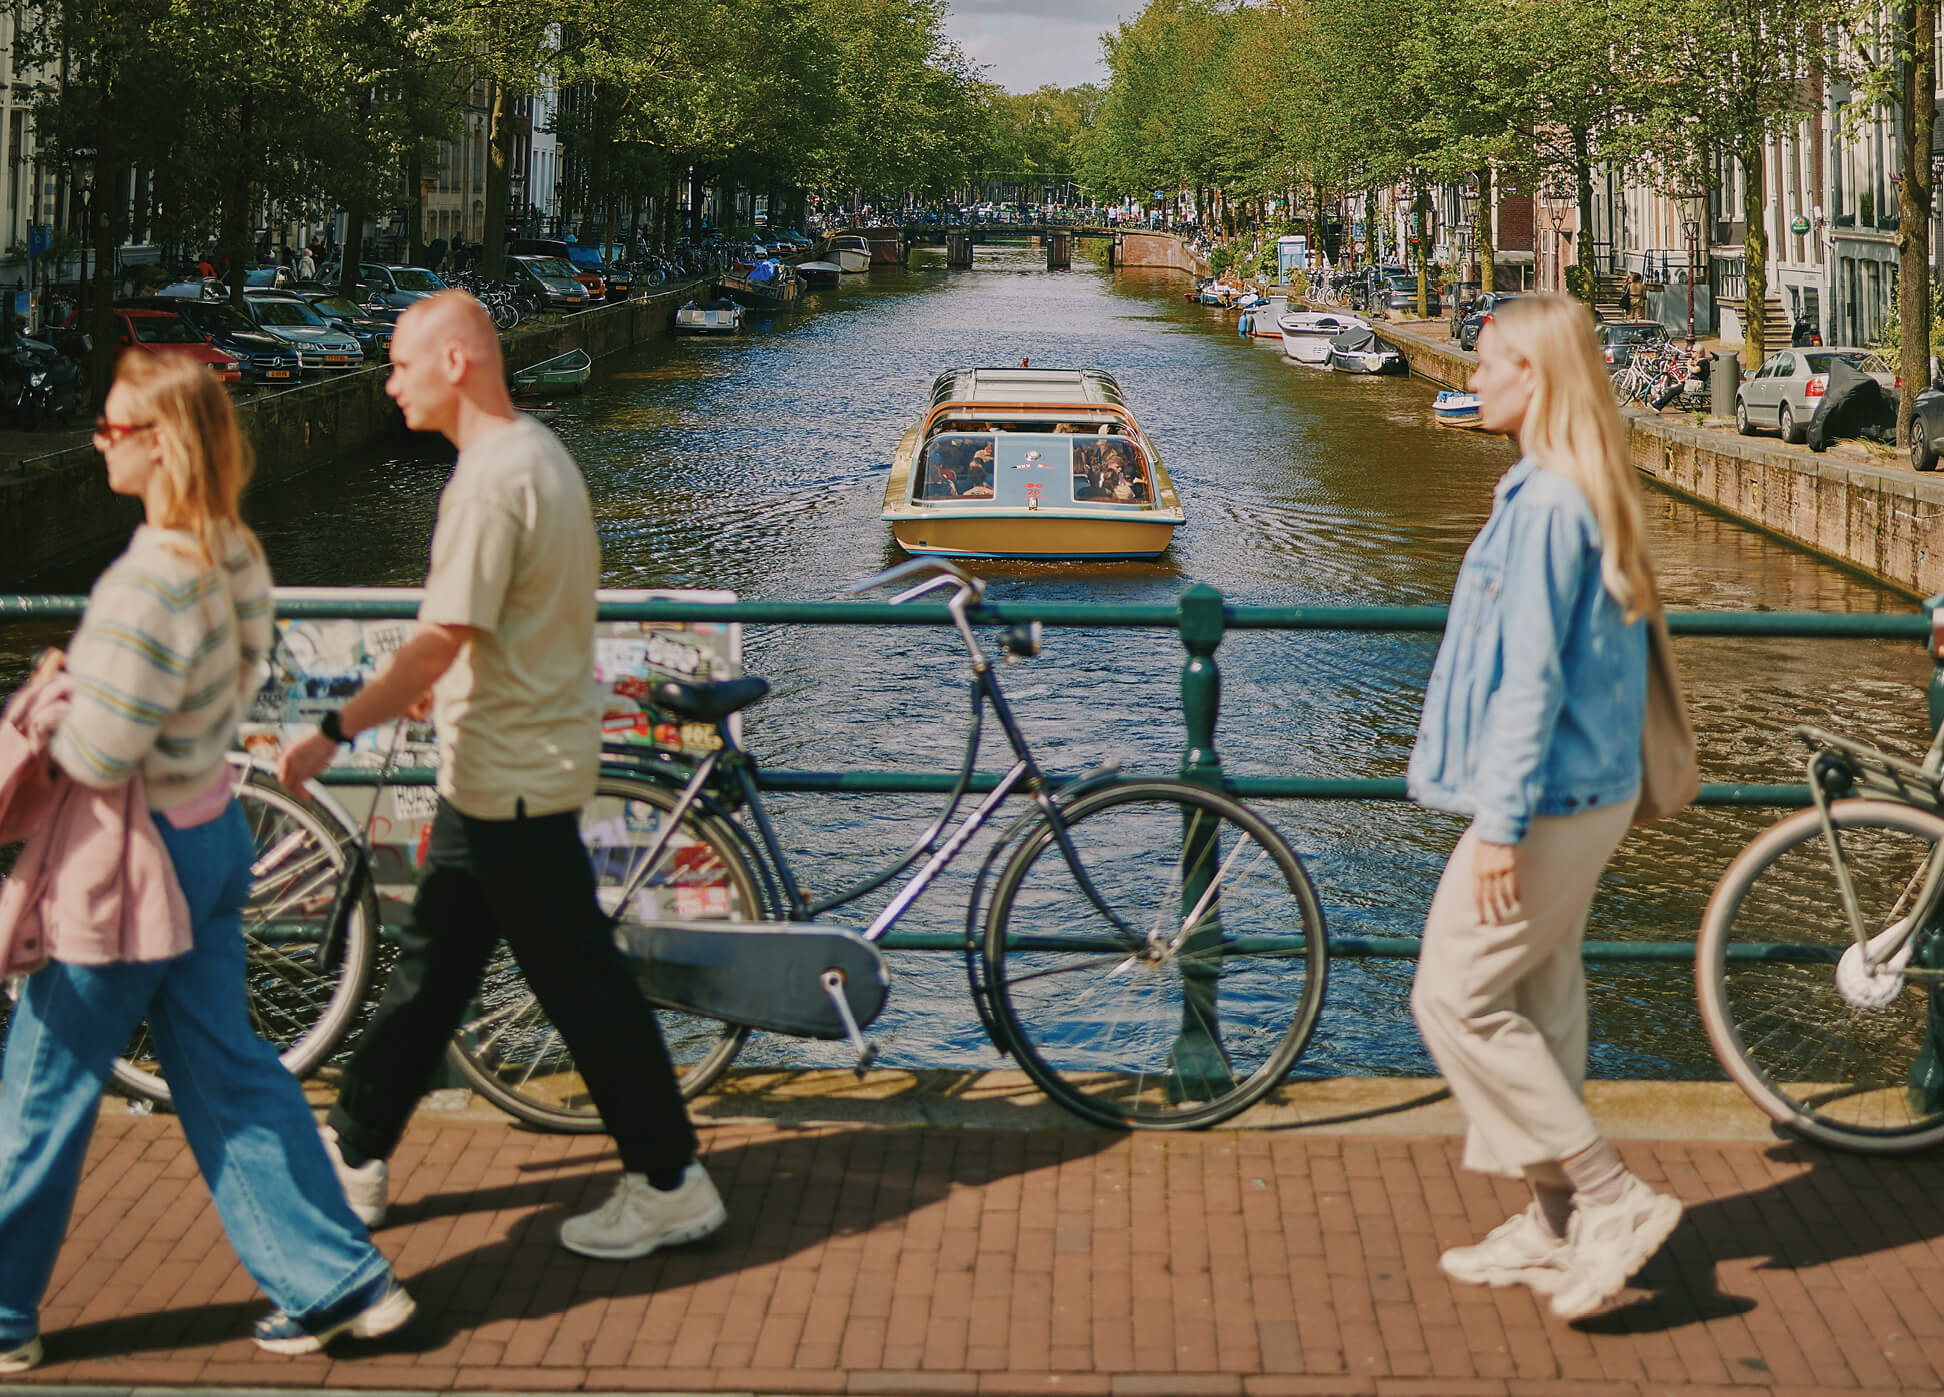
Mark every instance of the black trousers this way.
pixel 527 881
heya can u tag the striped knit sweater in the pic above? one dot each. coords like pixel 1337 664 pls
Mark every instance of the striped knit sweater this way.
pixel 167 657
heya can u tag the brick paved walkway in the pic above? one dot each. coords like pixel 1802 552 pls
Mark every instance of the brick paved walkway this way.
pixel 929 1260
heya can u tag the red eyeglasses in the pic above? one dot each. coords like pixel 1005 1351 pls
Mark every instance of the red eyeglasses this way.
pixel 114 433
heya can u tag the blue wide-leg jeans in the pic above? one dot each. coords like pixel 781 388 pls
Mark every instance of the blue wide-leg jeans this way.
pixel 246 1119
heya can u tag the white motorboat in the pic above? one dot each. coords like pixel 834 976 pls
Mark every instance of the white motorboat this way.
pixel 721 316
pixel 850 252
pixel 1264 322
pixel 1306 334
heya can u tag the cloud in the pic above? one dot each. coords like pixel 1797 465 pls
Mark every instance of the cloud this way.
pixel 1026 44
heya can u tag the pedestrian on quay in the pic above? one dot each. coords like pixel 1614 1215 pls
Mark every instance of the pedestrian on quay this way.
pixel 306 265
pixel 505 643
pixel 148 923
pixel 1532 726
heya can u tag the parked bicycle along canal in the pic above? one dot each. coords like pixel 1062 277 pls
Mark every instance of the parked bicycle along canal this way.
pixel 757 463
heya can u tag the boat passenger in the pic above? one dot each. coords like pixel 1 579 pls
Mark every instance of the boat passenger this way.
pixel 979 486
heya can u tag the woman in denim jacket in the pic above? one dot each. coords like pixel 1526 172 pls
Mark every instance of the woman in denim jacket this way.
pixel 1531 727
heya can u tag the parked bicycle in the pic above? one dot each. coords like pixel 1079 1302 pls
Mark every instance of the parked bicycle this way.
pixel 1820 962
pixel 1149 950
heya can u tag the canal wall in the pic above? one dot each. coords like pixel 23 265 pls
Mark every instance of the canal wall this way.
pixel 1882 520
pixel 57 509
pixel 1156 250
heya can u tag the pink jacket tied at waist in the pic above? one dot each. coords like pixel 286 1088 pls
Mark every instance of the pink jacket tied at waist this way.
pixel 95 884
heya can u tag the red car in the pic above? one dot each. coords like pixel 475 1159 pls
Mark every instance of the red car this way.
pixel 164 332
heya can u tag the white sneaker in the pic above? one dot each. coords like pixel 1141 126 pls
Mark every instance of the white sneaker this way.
pixel 638 1218
pixel 1609 1243
pixel 18 1358
pixel 365 1187
pixel 1519 1251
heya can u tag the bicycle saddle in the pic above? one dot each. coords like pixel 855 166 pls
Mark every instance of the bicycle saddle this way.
pixel 707 703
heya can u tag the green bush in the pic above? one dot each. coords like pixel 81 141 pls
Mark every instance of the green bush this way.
pixel 1219 260
pixel 1579 285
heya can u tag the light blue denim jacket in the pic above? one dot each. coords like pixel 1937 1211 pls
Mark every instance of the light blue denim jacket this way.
pixel 1536 701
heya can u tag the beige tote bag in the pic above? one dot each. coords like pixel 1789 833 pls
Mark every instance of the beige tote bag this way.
pixel 1670 777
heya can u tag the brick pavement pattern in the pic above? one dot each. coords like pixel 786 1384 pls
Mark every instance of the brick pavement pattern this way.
pixel 924 1260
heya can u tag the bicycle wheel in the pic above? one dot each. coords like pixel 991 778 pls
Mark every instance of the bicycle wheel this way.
pixel 510 1052
pixel 302 1000
pixel 1199 999
pixel 1864 1079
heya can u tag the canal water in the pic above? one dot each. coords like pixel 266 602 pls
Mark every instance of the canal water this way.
pixel 758 463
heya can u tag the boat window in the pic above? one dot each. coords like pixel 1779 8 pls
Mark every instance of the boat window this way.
pixel 1112 471
pixel 957 466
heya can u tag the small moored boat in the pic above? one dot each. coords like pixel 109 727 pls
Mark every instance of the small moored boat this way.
pixel 1306 334
pixel 768 285
pixel 1030 463
pixel 850 252
pixel 819 273
pixel 721 316
pixel 564 373
pixel 1358 350
pixel 1453 409
pixel 1263 322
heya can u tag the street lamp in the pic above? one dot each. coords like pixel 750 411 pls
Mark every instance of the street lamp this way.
pixel 1555 211
pixel 1468 225
pixel 1694 208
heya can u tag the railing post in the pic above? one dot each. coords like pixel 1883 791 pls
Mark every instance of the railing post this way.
pixel 1200 1067
pixel 1926 1072
pixel 1935 608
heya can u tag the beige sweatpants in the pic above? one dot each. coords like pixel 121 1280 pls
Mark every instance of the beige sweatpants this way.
pixel 1503 1007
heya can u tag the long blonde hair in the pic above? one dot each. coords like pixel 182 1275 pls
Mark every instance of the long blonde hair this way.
pixel 206 461
pixel 1571 426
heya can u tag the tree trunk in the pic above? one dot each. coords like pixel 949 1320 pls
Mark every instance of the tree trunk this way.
pixel 1421 230
pixel 1482 231
pixel 236 209
pixel 1755 253
pixel 1914 209
pixel 695 205
pixel 1583 195
pixel 104 233
pixel 352 252
pixel 499 165
pixel 414 206
pixel 669 196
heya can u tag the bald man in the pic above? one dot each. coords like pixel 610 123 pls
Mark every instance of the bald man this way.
pixel 505 644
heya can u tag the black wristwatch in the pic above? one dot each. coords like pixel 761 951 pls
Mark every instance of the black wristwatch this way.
pixel 332 727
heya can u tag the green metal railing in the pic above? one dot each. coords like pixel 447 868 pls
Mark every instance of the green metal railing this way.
pixel 1202 618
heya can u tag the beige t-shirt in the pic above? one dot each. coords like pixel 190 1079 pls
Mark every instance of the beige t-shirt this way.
pixel 515 556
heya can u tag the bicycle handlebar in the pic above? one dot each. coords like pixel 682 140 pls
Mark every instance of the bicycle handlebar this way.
pixel 941 573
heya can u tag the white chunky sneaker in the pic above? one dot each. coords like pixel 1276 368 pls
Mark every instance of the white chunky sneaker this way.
pixel 1609 1243
pixel 366 1187
pixel 1519 1251
pixel 19 1357
pixel 639 1218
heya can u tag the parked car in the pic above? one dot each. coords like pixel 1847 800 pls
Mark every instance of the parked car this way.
pixel 583 261
pixel 548 282
pixel 1785 392
pixel 395 287
pixel 1620 338
pixel 1394 289
pixel 260 356
pixel 320 346
pixel 373 334
pixel 162 332
pixel 1927 425
pixel 1480 315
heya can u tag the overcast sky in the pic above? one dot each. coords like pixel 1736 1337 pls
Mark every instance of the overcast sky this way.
pixel 1026 43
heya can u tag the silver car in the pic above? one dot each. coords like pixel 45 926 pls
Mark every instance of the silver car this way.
pixel 1785 392
pixel 320 345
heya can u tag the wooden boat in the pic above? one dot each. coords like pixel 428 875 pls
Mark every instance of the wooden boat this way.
pixel 850 252
pixel 779 290
pixel 716 317
pixel 1452 409
pixel 1030 463
pixel 564 373
pixel 1306 334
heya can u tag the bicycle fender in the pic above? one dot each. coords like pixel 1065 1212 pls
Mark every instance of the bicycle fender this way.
pixel 757 974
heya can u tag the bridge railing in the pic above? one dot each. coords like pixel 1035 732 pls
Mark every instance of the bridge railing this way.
pixel 1201 618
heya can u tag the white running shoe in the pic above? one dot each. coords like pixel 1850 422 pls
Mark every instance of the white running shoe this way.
pixel 1519 1251
pixel 1609 1243
pixel 18 1358
pixel 639 1218
pixel 365 1188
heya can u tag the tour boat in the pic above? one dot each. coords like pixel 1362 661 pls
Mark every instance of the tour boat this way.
pixel 1453 409
pixel 1029 463
pixel 1358 350
pixel 721 316
pixel 850 252
pixel 1306 334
